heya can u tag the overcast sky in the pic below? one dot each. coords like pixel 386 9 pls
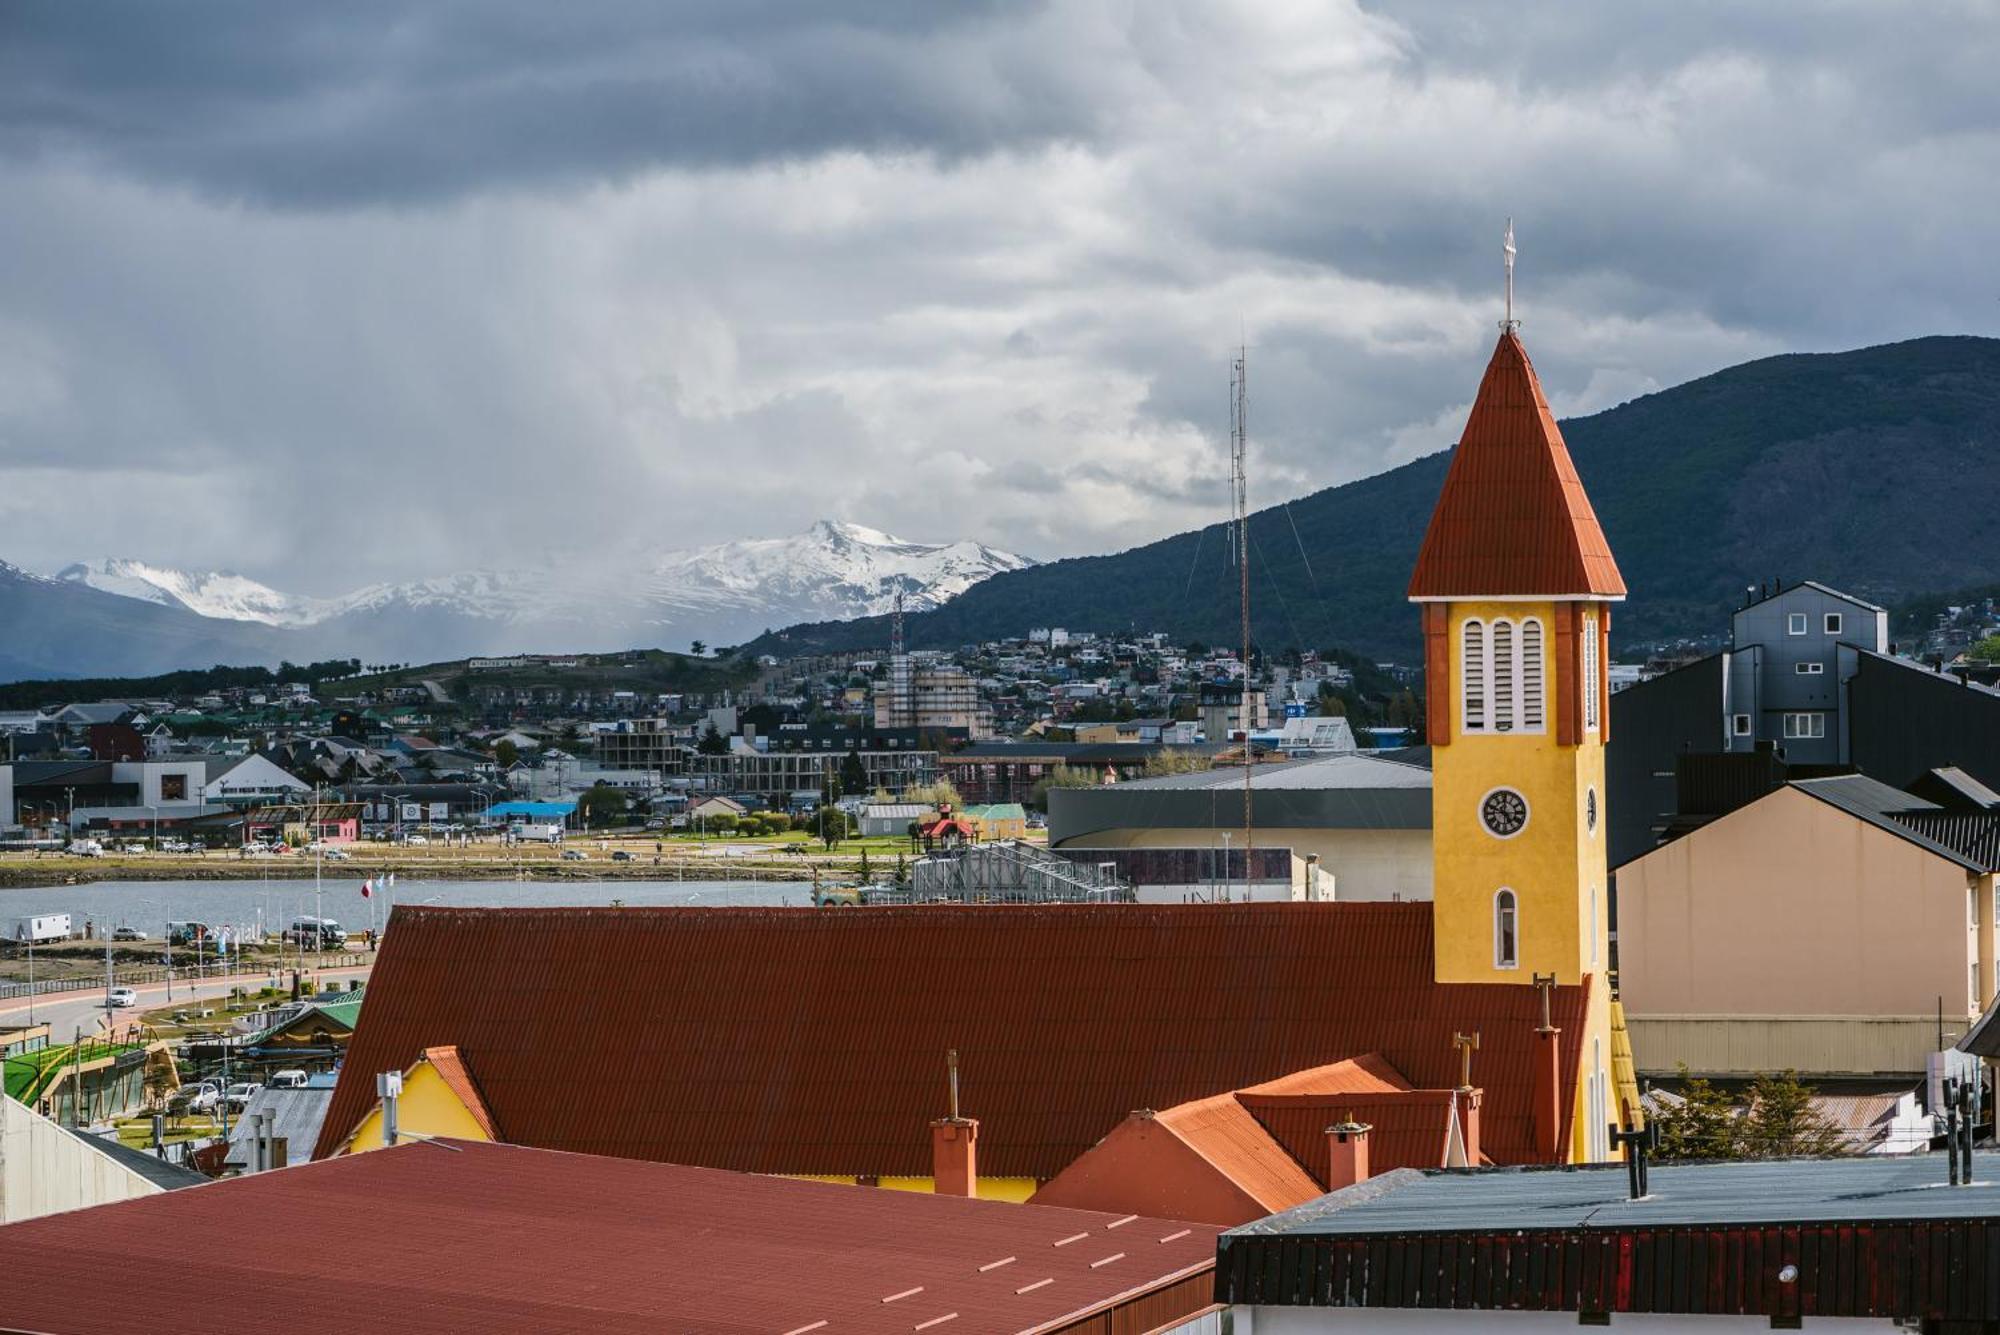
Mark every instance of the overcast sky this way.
pixel 334 293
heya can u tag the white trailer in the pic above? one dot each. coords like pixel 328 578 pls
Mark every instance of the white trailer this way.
pixel 41 928
pixel 546 833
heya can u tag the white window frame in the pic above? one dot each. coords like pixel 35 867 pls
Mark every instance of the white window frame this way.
pixel 1833 623
pixel 1592 669
pixel 1807 726
pixel 1795 623
pixel 1809 669
pixel 1740 725
pixel 1506 924
pixel 1593 924
pixel 1503 676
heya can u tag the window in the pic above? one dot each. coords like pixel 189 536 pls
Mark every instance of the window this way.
pixel 1502 676
pixel 1531 674
pixel 1809 669
pixel 1795 624
pixel 1742 725
pixel 1805 727
pixel 1506 931
pixel 173 787
pixel 1833 623
pixel 1593 924
pixel 1474 640
pixel 1591 687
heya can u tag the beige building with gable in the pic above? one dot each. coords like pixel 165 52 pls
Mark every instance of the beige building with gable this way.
pixel 1825 927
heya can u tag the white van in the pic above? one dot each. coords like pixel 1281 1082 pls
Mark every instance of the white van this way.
pixel 288 1080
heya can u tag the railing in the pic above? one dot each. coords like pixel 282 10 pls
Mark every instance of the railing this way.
pixel 157 973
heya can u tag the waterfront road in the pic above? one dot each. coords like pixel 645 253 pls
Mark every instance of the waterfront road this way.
pixel 67 1012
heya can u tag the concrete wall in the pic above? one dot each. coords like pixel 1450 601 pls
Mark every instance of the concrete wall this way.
pixel 44 1169
pixel 1792 907
pixel 1365 864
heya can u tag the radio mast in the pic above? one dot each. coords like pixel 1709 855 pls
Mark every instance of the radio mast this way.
pixel 1239 466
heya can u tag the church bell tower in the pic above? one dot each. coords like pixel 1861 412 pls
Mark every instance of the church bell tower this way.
pixel 1515 582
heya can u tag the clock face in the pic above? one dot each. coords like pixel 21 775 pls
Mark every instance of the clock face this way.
pixel 1590 809
pixel 1504 813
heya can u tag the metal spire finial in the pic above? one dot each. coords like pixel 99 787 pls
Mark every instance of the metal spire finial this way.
pixel 1508 251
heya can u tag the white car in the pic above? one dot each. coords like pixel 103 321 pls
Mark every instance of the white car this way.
pixel 204 1097
pixel 238 1095
pixel 417 839
pixel 118 998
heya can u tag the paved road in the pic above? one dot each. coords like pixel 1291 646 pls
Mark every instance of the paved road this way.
pixel 65 1012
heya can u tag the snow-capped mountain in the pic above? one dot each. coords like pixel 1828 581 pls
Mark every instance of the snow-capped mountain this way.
pixel 211 593
pixel 722 594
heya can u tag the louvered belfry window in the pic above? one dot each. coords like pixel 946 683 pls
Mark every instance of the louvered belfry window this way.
pixel 1474 675
pixel 1531 675
pixel 1503 680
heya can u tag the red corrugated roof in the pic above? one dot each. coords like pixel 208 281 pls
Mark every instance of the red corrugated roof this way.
pixel 1229 1140
pixel 1513 519
pixel 1409 1128
pixel 814 1040
pixel 459 1236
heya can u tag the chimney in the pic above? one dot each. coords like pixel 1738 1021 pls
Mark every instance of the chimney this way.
pixel 1469 1100
pixel 1347 1153
pixel 1546 1106
pixel 954 1145
pixel 389 1086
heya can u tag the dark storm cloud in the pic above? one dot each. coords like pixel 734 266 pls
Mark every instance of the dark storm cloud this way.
pixel 316 105
pixel 479 279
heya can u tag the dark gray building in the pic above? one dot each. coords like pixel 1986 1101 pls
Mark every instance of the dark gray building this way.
pixel 1807 687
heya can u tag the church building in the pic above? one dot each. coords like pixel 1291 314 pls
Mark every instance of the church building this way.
pixel 1199 1055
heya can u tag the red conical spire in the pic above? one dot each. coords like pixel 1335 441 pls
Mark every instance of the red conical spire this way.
pixel 1513 520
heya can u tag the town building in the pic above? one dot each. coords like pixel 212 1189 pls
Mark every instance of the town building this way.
pixel 1863 1244
pixel 1364 821
pixel 1884 905
pixel 1012 771
pixel 937 696
pixel 461 1236
pixel 47 1168
pixel 1810 681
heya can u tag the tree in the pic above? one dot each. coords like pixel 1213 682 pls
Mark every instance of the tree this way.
pixel 831 825
pixel 722 822
pixel 1783 1123
pixel 1063 776
pixel 853 774
pixel 1169 761
pixel 698 648
pixel 712 743
pixel 934 795
pixel 602 805
pixel 1701 1126
pixel 1987 650
pixel 506 754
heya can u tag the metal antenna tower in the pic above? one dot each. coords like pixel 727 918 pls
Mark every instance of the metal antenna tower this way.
pixel 1239 466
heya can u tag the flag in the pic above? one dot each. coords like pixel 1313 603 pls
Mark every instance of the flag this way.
pixel 367 889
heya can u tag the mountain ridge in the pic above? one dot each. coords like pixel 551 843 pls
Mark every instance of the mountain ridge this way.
pixel 1864 469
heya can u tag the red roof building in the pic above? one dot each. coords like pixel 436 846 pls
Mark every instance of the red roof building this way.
pixel 1232 1158
pixel 813 1042
pixel 1513 520
pixel 462 1236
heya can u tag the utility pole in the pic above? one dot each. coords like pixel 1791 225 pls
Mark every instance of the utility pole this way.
pixel 1239 462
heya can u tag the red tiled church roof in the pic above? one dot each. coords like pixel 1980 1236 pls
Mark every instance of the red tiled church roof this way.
pixel 813 1041
pixel 1513 520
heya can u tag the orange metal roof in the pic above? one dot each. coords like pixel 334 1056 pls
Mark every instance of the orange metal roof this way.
pixel 1513 519
pixel 813 1040
pixel 462 1236
pixel 1222 1131
pixel 1408 1128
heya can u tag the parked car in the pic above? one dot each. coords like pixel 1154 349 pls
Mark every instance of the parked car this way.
pixel 417 839
pixel 203 1097
pixel 85 848
pixel 575 855
pixel 134 847
pixel 238 1095
pixel 118 998
pixel 127 934
pixel 621 856
pixel 294 1079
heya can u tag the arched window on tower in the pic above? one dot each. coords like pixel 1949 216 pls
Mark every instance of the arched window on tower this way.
pixel 1504 676
pixel 1531 675
pixel 1506 931
pixel 1473 675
